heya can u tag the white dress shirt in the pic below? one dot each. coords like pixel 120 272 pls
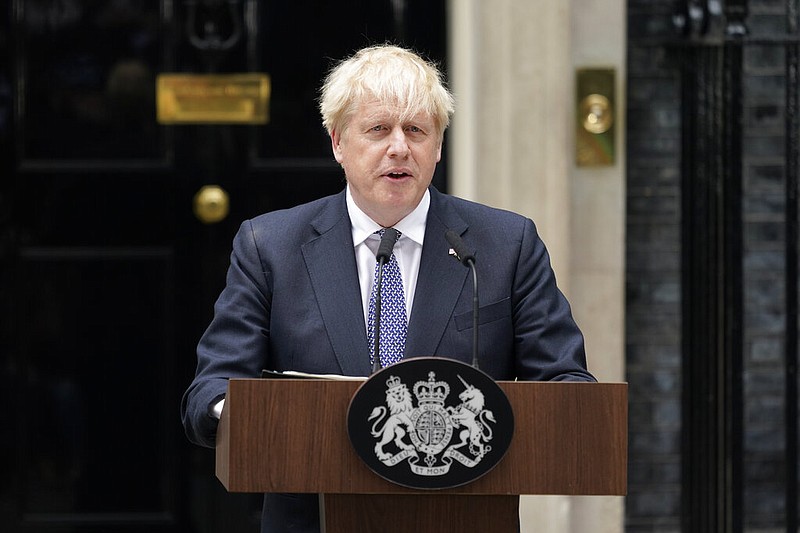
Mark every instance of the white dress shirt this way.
pixel 407 250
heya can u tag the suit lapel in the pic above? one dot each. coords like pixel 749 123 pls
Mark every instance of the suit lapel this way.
pixel 440 281
pixel 331 265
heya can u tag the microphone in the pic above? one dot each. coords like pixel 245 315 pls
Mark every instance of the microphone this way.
pixel 387 245
pixel 383 254
pixel 467 258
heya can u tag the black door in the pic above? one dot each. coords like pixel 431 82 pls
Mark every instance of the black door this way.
pixel 107 277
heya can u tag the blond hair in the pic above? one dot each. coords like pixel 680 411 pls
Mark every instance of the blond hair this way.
pixel 392 75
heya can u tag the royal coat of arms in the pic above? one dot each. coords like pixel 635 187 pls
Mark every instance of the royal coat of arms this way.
pixel 432 434
pixel 430 423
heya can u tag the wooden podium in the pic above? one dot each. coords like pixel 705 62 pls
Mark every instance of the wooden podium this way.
pixel 290 435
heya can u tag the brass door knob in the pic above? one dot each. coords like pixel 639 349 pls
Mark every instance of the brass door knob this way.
pixel 211 204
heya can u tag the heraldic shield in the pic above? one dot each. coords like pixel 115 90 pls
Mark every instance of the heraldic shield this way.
pixel 430 423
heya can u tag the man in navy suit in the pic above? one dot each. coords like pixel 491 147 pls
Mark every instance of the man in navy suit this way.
pixel 299 283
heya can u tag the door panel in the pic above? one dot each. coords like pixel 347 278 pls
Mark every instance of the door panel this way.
pixel 107 279
pixel 87 451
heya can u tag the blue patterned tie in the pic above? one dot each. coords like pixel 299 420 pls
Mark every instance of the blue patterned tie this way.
pixel 393 313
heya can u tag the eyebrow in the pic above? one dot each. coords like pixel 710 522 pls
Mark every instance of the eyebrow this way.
pixel 382 118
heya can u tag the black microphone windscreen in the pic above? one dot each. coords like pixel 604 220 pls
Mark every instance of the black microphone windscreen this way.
pixel 462 252
pixel 387 244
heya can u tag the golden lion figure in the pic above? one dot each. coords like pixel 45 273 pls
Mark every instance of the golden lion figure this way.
pixel 396 427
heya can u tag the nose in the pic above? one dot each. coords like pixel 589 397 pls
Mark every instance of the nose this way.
pixel 398 144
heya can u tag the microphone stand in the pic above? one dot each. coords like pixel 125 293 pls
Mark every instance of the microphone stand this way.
pixel 388 240
pixel 471 263
pixel 467 258
pixel 376 358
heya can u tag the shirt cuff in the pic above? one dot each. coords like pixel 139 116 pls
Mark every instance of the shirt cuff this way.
pixel 216 411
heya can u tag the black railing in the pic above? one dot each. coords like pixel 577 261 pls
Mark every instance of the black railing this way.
pixel 712 280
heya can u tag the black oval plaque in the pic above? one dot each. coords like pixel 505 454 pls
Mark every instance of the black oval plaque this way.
pixel 430 423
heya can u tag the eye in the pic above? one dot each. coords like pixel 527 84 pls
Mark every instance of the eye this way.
pixel 416 131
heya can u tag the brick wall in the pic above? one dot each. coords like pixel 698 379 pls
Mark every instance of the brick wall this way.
pixel 653 292
pixel 764 202
pixel 653 279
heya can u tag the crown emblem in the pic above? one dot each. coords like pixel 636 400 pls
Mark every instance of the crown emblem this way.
pixel 393 382
pixel 431 392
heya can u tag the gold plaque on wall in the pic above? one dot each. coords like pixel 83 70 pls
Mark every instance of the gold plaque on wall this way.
pixel 595 112
pixel 213 98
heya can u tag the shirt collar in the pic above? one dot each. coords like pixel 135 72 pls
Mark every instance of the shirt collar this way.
pixel 411 226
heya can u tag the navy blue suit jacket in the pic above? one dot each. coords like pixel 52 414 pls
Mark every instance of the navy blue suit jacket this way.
pixel 292 302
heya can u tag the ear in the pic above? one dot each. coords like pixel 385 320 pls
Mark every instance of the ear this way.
pixel 439 153
pixel 336 144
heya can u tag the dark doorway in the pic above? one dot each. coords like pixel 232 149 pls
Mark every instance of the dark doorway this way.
pixel 107 278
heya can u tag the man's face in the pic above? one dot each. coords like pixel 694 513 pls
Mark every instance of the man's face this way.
pixel 388 163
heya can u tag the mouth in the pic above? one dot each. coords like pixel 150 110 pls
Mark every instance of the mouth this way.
pixel 397 175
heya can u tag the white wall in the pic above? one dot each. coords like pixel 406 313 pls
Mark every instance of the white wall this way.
pixel 512 145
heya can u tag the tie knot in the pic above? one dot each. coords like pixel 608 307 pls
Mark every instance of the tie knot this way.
pixel 382 231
